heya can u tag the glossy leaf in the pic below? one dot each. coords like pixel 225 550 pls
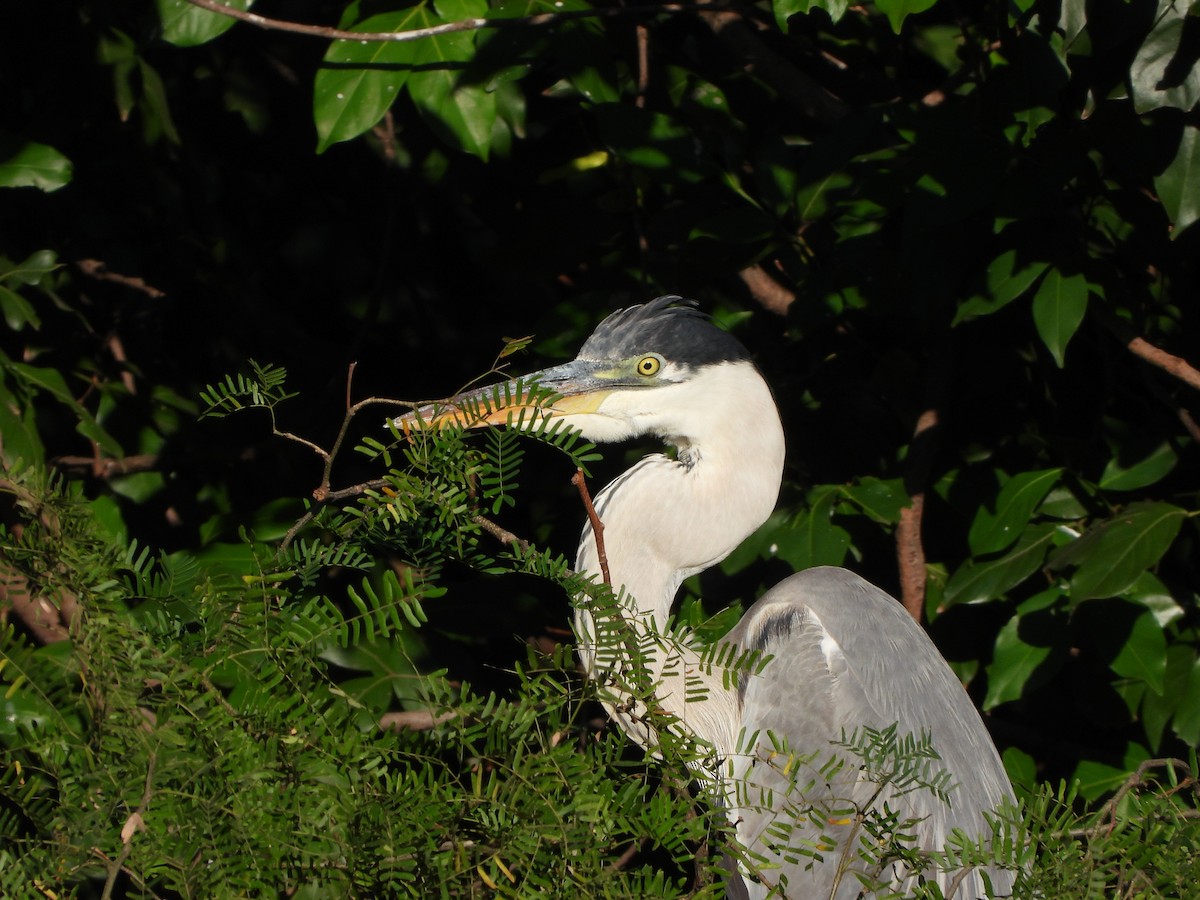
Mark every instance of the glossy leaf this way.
pixel 1112 554
pixel 462 114
pixel 1029 649
pixel 1008 277
pixel 358 82
pixel 1178 186
pixel 1164 71
pixel 899 10
pixel 17 310
pixel 1141 648
pixel 1058 308
pixel 979 581
pixel 879 499
pixel 1118 476
pixel 33 165
pixel 993 531
pixel 185 25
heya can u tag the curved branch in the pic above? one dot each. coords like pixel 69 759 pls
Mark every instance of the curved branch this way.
pixel 324 31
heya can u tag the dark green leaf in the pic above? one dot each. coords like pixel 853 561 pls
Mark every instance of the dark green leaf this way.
pixel 899 10
pixel 1178 186
pixel 1143 651
pixel 1058 308
pixel 785 9
pixel 1164 72
pixel 461 114
pixel 33 165
pixel 1112 554
pixel 991 531
pixel 881 500
pixel 1028 651
pixel 1121 477
pixel 186 25
pixel 982 580
pixel 359 81
pixel 17 311
pixel 1008 277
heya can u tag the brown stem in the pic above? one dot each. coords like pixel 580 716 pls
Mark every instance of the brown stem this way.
pixel 597 526
pixel 103 467
pixel 1168 362
pixel 97 269
pixel 643 52
pixel 324 31
pixel 770 294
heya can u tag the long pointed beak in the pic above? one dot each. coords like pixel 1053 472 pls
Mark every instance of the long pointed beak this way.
pixel 575 387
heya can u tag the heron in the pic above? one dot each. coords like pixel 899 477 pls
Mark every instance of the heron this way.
pixel 837 653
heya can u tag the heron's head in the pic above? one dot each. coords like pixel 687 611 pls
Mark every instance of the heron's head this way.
pixel 660 368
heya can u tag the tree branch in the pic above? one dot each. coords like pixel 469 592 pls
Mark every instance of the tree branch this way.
pixel 324 31
pixel 597 526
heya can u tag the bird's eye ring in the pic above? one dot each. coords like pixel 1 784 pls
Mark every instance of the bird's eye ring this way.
pixel 649 365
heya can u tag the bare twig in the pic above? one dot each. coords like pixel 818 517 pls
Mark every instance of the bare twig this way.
pixel 1169 363
pixel 769 293
pixel 910 552
pixel 499 532
pixel 45 621
pixel 324 31
pixel 95 268
pixel 597 526
pixel 643 49
pixel 103 467
pixel 413 719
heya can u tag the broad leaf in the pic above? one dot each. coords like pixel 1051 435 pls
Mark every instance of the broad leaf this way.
pixel 32 165
pixel 1029 649
pixel 1008 277
pixel 1164 72
pixel 1146 471
pixel 899 10
pixel 463 115
pixel 1058 308
pixel 993 531
pixel 979 581
pixel 1112 554
pixel 785 9
pixel 359 81
pixel 185 25
pixel 1178 186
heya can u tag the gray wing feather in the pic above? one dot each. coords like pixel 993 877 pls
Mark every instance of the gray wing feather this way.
pixel 846 655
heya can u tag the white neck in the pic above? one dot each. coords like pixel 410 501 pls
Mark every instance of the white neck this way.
pixel 665 520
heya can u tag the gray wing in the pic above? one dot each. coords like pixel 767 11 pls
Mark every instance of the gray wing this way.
pixel 847 655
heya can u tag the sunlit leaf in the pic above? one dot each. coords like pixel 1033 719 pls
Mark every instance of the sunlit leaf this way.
pixel 1178 186
pixel 1112 554
pixel 1164 71
pixel 359 81
pixel 994 530
pixel 981 580
pixel 462 114
pixel 1029 649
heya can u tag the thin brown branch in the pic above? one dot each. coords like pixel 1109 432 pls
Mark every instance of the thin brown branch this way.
pixel 503 535
pixel 910 548
pixel 630 852
pixel 1168 362
pixel 103 467
pixel 324 31
pixel 770 294
pixel 643 55
pixel 44 621
pixel 95 268
pixel 413 719
pixel 597 526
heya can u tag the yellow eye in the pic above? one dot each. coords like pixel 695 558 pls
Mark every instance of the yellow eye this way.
pixel 649 365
